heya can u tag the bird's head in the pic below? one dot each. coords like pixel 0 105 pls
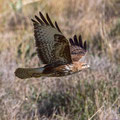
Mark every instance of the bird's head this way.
pixel 84 65
pixel 78 66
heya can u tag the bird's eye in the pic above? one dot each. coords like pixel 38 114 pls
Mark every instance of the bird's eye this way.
pixel 84 64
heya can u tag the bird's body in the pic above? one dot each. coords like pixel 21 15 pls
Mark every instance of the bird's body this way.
pixel 49 71
pixel 60 56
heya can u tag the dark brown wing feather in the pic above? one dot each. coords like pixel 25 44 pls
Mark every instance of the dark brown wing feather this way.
pixel 77 48
pixel 51 45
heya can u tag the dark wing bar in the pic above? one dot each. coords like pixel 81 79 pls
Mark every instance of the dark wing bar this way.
pixel 39 20
pixel 85 45
pixel 45 21
pixel 49 20
pixel 80 41
pixel 71 42
pixel 76 42
pixel 43 18
pixel 57 27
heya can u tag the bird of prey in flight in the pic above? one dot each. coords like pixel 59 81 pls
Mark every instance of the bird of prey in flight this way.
pixel 61 57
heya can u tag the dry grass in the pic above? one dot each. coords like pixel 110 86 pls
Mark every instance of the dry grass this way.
pixel 93 94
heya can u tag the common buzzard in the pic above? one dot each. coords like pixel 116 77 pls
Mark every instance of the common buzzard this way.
pixel 60 56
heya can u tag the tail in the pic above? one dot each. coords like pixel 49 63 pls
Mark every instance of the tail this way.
pixel 24 73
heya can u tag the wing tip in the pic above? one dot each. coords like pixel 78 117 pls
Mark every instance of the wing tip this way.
pixel 34 21
pixel 45 21
pixel 79 43
pixel 57 27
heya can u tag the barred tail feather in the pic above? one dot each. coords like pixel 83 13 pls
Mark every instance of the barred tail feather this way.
pixel 24 73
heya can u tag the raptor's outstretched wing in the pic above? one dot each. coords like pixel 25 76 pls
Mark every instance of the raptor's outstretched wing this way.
pixel 52 46
pixel 77 48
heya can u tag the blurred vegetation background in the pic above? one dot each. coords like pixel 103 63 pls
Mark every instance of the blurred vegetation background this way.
pixel 93 94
